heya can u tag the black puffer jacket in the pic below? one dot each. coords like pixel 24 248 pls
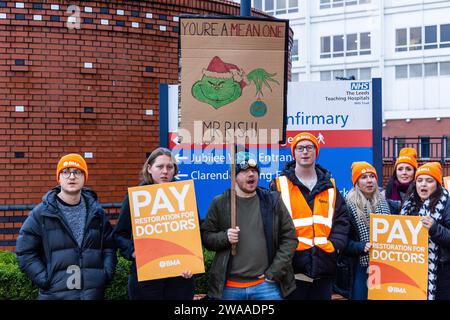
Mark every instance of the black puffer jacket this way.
pixel 315 262
pixel 50 256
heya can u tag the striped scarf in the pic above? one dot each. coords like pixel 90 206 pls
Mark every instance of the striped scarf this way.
pixel 433 248
pixel 363 228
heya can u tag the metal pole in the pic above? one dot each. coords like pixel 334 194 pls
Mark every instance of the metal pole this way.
pixel 377 126
pixel 246 7
pixel 164 115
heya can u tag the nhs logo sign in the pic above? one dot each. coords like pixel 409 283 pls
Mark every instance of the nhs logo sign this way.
pixel 359 86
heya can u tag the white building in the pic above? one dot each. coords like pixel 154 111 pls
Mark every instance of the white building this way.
pixel 404 42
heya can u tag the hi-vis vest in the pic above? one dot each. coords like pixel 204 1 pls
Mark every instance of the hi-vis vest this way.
pixel 312 228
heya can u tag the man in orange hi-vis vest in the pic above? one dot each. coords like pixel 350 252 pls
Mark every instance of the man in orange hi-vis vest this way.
pixel 320 218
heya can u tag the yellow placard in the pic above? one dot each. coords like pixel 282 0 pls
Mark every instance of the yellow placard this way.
pixel 166 230
pixel 447 182
pixel 233 77
pixel 398 258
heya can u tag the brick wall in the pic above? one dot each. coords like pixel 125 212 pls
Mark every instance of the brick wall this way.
pixel 417 127
pixel 83 90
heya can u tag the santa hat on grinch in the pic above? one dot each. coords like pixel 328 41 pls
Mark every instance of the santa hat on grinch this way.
pixel 219 69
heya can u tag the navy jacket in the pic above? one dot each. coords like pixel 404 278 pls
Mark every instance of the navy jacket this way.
pixel 51 257
pixel 348 260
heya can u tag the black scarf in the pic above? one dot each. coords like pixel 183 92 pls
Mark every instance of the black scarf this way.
pixel 433 248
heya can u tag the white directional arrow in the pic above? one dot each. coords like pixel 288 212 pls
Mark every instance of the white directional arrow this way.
pixel 176 140
pixel 178 157
pixel 182 175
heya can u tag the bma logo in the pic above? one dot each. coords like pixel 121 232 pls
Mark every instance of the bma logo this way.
pixel 360 85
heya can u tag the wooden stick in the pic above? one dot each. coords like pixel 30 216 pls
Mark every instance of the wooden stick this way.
pixel 233 192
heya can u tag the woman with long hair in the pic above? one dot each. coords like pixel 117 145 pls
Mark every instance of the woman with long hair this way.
pixel 160 167
pixel 430 201
pixel 363 199
pixel 401 180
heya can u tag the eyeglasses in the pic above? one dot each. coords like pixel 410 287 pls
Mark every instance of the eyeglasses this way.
pixel 66 173
pixel 308 148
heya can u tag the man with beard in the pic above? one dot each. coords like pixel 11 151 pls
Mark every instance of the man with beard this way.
pixel 320 217
pixel 264 236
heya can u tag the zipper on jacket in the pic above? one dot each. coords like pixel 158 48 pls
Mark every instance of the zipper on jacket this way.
pixel 46 250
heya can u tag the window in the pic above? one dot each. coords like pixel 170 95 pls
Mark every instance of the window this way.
pixel 276 6
pixel 444 68
pixel 418 38
pixel 445 36
pixel 418 70
pixel 431 69
pixel 325 75
pixel 400 40
pixel 365 73
pixel 351 73
pixel 295 77
pixel 325 47
pixel 430 37
pixel 401 72
pixel 325 4
pixel 258 4
pixel 281 7
pixel 293 6
pixel 338 3
pixel 415 38
pixel 268 6
pixel 338 74
pixel 424 147
pixel 338 46
pixel 352 44
pixel 364 40
pixel 415 70
pixel 295 51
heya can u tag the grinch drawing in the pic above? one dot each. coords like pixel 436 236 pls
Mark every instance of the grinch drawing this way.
pixel 222 83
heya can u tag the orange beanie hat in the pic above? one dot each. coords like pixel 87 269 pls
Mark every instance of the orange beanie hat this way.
pixel 361 167
pixel 72 160
pixel 304 136
pixel 433 169
pixel 407 155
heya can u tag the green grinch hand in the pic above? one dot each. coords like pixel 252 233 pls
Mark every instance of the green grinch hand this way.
pixel 261 77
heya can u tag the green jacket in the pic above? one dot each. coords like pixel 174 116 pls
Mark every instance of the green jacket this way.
pixel 279 230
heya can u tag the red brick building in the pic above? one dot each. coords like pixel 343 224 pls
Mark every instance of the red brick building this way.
pixel 92 90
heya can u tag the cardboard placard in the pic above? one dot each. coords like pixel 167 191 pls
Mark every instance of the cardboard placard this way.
pixel 166 230
pixel 233 77
pixel 398 258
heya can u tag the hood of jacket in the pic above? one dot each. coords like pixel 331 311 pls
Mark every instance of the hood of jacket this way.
pixel 49 200
pixel 323 177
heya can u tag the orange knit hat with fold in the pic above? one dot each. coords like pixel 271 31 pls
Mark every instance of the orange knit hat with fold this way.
pixel 304 136
pixel 407 155
pixel 433 169
pixel 361 167
pixel 72 160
